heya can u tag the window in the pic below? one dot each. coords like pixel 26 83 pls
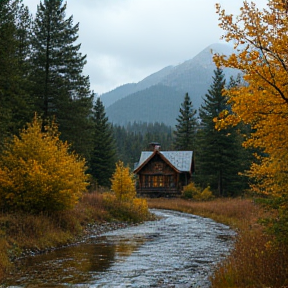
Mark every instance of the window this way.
pixel 154 181
pixel 158 181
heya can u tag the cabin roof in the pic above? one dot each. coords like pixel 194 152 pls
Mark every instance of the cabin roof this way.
pixel 181 160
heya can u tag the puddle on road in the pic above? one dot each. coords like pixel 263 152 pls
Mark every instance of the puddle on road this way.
pixel 179 250
pixel 74 264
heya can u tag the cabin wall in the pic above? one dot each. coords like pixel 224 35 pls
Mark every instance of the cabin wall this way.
pixel 157 173
pixel 158 177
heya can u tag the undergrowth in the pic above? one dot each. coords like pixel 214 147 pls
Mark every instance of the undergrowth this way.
pixel 257 260
pixel 21 233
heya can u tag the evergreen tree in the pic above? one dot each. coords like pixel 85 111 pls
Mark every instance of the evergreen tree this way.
pixel 14 101
pixel 186 127
pixel 103 158
pixel 60 90
pixel 24 29
pixel 134 138
pixel 219 158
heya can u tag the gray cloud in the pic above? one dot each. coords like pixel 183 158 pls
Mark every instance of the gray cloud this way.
pixel 126 40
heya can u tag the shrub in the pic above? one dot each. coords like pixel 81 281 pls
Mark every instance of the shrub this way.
pixel 205 195
pixel 190 191
pixel 123 184
pixel 38 173
pixel 135 210
pixel 123 205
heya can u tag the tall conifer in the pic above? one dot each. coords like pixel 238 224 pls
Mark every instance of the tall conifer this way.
pixel 219 157
pixel 102 163
pixel 60 89
pixel 186 127
pixel 14 108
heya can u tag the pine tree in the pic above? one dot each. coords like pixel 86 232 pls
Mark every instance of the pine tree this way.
pixel 186 127
pixel 14 100
pixel 103 158
pixel 219 157
pixel 60 90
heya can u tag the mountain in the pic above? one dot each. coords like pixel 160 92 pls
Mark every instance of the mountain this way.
pixel 128 102
pixel 158 103
pixel 130 88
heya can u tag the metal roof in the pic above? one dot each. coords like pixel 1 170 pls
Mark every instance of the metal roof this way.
pixel 181 160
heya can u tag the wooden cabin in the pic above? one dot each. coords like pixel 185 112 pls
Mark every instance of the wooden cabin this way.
pixel 163 173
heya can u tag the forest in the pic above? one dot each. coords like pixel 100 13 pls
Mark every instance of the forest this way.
pixel 56 139
pixel 42 74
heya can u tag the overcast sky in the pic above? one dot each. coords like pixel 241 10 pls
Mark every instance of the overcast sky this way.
pixel 127 40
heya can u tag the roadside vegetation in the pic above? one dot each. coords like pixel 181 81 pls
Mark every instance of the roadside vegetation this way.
pixel 44 200
pixel 257 260
pixel 22 233
pixel 239 140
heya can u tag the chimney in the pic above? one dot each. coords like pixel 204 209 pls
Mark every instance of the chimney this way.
pixel 155 146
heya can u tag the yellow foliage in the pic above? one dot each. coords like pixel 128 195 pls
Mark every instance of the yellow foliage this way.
pixel 135 210
pixel 141 206
pixel 38 173
pixel 193 192
pixel 124 204
pixel 190 190
pixel 206 194
pixel 263 101
pixel 123 183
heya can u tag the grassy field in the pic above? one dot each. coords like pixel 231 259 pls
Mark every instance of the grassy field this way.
pixel 257 260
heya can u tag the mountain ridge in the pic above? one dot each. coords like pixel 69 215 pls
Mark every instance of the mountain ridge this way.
pixel 193 76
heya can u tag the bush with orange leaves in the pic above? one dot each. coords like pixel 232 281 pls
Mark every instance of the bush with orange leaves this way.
pixel 38 173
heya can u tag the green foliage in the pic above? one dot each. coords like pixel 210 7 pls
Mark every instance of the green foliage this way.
pixel 59 89
pixel 220 156
pixel 277 225
pixel 15 109
pixel 262 101
pixel 38 173
pixel 102 160
pixel 135 138
pixel 186 127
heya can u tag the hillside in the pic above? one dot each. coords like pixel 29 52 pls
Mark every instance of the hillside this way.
pixel 157 103
pixel 130 88
pixel 193 76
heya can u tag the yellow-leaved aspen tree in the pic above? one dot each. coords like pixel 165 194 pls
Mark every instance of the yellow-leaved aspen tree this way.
pixel 123 183
pixel 260 38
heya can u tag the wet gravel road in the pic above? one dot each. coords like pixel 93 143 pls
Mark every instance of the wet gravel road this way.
pixel 179 250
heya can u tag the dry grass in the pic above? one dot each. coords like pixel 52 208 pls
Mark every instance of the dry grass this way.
pixel 256 261
pixel 22 232
pixel 38 232
pixel 232 212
